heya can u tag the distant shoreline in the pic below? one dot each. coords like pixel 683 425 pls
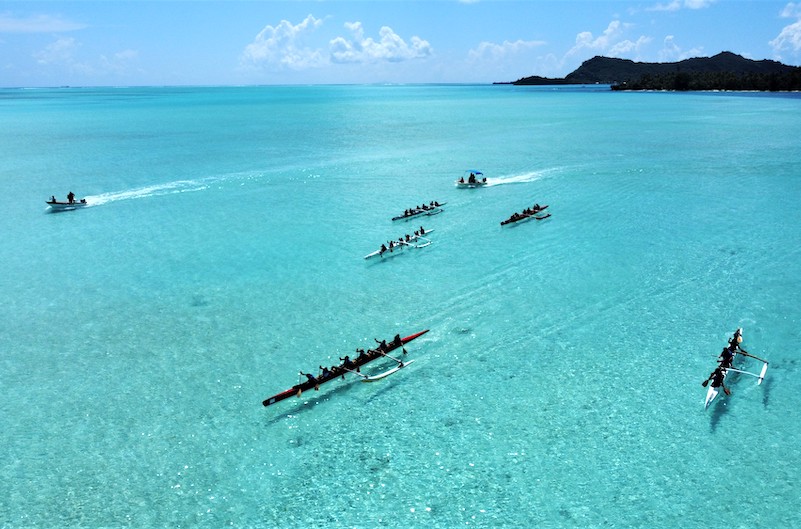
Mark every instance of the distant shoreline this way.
pixel 725 71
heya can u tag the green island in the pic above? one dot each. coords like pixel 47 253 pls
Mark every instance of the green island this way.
pixel 724 71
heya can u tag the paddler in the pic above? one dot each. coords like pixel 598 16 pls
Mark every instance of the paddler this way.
pixel 313 379
pixel 736 340
pixel 717 377
pixel 324 373
pixel 347 363
pixel 726 357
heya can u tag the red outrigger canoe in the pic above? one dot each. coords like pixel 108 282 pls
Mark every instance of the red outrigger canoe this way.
pixel 371 354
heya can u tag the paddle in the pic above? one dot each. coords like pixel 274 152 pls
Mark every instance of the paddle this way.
pixel 382 353
pixel 354 372
pixel 752 356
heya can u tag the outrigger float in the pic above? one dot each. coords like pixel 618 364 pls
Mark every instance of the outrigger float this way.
pixel 718 382
pixel 352 366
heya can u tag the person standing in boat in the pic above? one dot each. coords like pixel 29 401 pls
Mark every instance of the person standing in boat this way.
pixel 71 197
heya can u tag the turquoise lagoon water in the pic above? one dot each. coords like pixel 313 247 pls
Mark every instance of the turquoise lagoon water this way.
pixel 559 385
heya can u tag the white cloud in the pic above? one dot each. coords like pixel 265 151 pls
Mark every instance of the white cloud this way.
pixel 282 46
pixel 671 52
pixel 60 51
pixel 37 24
pixel 676 5
pixel 120 62
pixel 791 10
pixel 389 47
pixel 610 43
pixel 493 52
pixel 790 36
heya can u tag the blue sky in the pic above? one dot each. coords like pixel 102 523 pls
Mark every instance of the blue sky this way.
pixel 81 43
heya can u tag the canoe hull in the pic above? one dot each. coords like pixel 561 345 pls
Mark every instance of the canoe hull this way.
pixel 369 357
pixel 66 206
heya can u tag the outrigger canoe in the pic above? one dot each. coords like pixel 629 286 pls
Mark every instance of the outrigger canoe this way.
pixel 369 356
pixel 713 391
pixel 519 217
pixel 416 241
pixel 420 212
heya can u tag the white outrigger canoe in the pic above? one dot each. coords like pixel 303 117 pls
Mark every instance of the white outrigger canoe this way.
pixel 712 392
pixel 417 241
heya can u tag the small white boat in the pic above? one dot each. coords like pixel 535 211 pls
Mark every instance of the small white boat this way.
pixel 55 205
pixel 472 179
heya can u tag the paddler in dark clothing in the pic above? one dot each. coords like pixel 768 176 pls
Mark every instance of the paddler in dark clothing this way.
pixel 347 364
pixel 726 357
pixel 312 379
pixel 324 373
pixel 397 340
pixel 735 341
pixel 717 377
pixel 362 355
pixel 382 345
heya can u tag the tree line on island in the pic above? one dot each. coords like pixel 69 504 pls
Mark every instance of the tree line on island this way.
pixel 724 71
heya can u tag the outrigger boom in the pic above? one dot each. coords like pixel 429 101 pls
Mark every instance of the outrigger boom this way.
pixel 369 356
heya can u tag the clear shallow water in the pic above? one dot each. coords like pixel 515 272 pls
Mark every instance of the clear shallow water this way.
pixel 559 385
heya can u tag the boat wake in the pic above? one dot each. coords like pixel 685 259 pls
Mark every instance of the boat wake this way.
pixel 521 178
pixel 180 186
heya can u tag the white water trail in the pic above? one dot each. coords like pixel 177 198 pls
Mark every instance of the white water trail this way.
pixel 530 176
pixel 180 186
pixel 168 188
